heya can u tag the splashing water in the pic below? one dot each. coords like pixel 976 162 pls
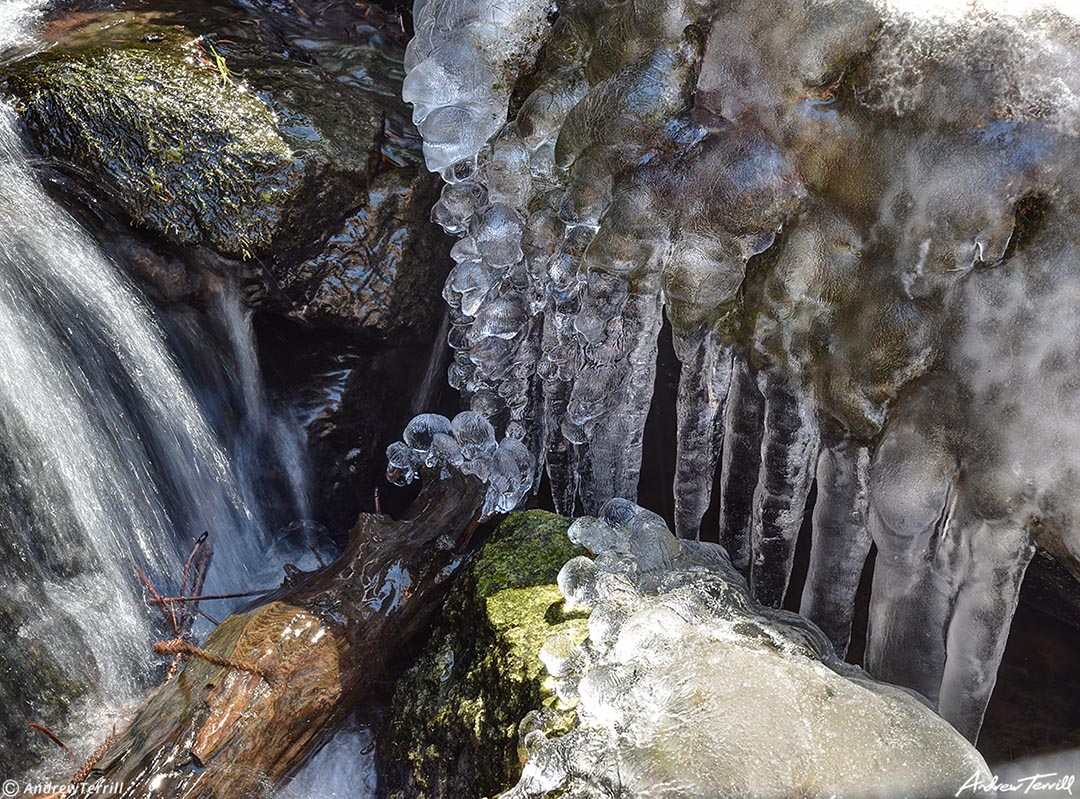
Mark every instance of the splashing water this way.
pixel 106 457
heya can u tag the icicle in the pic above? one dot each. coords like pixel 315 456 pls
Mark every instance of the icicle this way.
pixel 743 416
pixel 789 449
pixel 841 539
pixel 998 554
pixel 562 461
pixel 609 404
pixel 912 497
pixel 703 389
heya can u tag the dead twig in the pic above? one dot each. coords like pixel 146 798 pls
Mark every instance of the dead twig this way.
pixel 56 740
pixel 166 610
pixel 200 597
pixel 179 646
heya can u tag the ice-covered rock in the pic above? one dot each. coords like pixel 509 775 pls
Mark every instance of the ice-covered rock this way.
pixel 687 687
pixel 855 215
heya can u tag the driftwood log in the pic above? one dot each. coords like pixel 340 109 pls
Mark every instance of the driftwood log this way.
pixel 270 684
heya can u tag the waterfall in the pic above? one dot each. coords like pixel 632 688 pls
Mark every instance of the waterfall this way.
pixel 107 458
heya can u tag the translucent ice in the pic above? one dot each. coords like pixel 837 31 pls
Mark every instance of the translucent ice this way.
pixel 686 687
pixel 434 443
pixel 858 219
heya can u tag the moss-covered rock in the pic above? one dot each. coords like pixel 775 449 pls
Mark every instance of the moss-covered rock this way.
pixel 453 729
pixel 220 143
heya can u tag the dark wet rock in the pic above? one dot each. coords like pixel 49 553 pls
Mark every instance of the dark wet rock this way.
pixel 375 274
pixel 352 399
pixel 205 142
pixel 1053 588
pixel 33 687
pixel 453 728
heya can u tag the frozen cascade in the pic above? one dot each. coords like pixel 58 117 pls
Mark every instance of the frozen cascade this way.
pixel 676 646
pixel 873 254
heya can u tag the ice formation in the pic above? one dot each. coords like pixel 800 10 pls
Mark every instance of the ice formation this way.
pixel 676 646
pixel 434 443
pixel 858 218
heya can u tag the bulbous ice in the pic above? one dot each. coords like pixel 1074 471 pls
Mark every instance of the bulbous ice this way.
pixel 677 652
pixel 832 236
pixel 461 65
pixel 433 443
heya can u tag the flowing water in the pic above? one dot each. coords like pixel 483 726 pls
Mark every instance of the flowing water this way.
pixel 123 436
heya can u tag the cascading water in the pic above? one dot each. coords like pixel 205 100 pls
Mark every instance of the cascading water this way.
pixel 106 457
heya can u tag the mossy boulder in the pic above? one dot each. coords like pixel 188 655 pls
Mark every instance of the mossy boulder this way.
pixel 453 728
pixel 220 143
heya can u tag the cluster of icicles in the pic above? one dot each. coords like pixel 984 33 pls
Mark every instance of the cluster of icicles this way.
pixel 467 444
pixel 677 646
pixel 866 273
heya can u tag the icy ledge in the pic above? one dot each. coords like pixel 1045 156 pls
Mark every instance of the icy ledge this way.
pixel 687 687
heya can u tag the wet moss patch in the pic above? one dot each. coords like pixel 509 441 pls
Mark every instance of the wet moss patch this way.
pixel 220 144
pixel 454 723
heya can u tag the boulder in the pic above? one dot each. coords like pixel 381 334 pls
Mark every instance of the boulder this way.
pixel 207 142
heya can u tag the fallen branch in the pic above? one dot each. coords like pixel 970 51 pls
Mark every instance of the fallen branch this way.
pixel 201 597
pixel 56 740
pixel 273 680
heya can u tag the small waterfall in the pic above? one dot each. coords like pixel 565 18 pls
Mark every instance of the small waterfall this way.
pixel 435 374
pixel 264 431
pixel 107 458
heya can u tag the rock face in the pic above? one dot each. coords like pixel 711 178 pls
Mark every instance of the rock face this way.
pixel 223 145
pixel 375 273
pixel 453 729
pixel 33 689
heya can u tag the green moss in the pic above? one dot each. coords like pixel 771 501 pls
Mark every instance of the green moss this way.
pixel 454 723
pixel 227 146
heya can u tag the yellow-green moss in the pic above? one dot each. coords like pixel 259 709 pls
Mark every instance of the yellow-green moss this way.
pixel 454 723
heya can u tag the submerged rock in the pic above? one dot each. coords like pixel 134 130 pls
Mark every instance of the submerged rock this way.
pixel 226 145
pixel 453 729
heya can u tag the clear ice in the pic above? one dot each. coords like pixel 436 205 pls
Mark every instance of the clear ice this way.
pixel 858 218
pixel 676 647
pixel 433 443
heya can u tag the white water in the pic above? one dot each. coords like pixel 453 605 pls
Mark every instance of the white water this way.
pixel 107 456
